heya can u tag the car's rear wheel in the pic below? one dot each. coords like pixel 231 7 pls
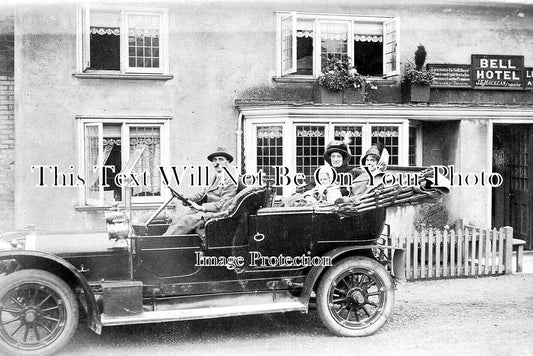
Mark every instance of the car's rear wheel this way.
pixel 355 297
pixel 38 313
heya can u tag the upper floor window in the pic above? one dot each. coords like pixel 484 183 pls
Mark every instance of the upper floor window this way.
pixel 124 40
pixel 306 41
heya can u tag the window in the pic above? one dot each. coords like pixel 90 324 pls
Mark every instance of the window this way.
pixel 305 41
pixel 299 144
pixel 110 143
pixel 124 40
pixel 412 146
pixel 269 150
pixel 310 147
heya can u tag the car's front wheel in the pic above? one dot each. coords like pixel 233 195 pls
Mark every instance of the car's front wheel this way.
pixel 38 313
pixel 355 297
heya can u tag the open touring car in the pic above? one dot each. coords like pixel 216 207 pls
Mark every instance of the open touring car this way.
pixel 256 259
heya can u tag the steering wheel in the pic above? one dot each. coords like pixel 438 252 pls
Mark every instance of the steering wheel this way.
pixel 178 196
pixel 174 193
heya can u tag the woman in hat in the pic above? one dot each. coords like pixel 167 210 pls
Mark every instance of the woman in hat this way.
pixel 338 156
pixel 375 160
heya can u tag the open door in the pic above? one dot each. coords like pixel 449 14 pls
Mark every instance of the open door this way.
pixel 513 201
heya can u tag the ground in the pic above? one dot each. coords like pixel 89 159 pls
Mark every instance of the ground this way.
pixel 473 316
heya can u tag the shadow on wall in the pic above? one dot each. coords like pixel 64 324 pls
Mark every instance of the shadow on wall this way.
pixel 7 42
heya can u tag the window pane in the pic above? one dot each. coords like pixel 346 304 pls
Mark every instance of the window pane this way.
pixel 143 38
pixel 389 137
pixel 356 141
pixel 334 40
pixel 391 45
pixel 368 57
pixel 308 137
pixel 112 157
pixel 304 50
pixel 270 150
pixel 368 48
pixel 412 146
pixel 105 40
pixel 91 161
pixel 150 159
pixel 286 43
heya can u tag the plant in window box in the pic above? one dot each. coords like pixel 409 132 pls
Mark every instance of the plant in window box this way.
pixel 418 79
pixel 340 83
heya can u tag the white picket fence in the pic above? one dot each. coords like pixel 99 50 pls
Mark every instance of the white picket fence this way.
pixel 449 254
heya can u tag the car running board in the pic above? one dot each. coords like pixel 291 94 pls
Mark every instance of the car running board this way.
pixel 160 316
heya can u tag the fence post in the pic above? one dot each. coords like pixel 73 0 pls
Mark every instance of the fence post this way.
pixel 508 253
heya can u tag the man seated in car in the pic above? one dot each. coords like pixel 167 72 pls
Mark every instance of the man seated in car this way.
pixel 211 200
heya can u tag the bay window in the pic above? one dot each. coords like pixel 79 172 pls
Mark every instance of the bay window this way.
pixel 298 143
pixel 111 142
pixel 306 41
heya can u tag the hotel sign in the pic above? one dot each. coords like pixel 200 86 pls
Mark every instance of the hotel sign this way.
pixel 486 71
pixel 528 79
pixel 493 71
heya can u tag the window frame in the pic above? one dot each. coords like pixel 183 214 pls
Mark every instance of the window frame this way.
pixel 84 50
pixel 289 125
pixel 126 123
pixel 317 19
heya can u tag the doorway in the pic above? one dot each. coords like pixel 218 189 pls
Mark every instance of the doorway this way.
pixel 512 157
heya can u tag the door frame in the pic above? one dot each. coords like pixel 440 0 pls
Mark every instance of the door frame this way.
pixel 490 137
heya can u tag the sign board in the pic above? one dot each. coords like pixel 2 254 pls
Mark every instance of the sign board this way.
pixel 495 71
pixel 528 78
pixel 450 75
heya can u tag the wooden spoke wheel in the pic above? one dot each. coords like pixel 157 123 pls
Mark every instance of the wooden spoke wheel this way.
pixel 38 313
pixel 355 297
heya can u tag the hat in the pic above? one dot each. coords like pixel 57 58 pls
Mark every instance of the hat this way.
pixel 340 147
pixel 221 151
pixel 375 150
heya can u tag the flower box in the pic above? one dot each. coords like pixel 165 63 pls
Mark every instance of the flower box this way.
pixel 352 95
pixel 419 93
pixel 325 96
pixel 349 95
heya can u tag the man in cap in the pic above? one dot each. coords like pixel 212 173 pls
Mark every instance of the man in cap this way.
pixel 210 200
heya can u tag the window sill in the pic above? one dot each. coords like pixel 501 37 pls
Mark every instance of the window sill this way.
pixel 140 206
pixel 129 76
pixel 311 79
pixel 295 79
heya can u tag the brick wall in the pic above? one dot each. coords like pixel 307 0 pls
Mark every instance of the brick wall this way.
pixel 7 152
pixel 7 120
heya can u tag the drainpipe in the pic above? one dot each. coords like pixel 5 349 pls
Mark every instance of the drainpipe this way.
pixel 239 141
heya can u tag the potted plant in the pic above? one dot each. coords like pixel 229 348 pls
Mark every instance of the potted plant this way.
pixel 417 78
pixel 340 83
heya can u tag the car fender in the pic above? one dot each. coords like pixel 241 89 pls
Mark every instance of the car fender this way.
pixel 66 271
pixel 317 271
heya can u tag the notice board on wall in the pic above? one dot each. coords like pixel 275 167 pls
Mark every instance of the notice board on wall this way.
pixel 497 71
pixel 450 75
pixel 528 78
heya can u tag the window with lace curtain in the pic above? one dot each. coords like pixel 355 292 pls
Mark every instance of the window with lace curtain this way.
pixel 306 41
pixel 124 40
pixel 111 144
pixel 299 144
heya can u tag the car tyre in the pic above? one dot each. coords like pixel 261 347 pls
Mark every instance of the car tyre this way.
pixel 355 297
pixel 38 313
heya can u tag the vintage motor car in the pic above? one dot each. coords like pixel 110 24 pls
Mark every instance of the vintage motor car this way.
pixel 254 259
